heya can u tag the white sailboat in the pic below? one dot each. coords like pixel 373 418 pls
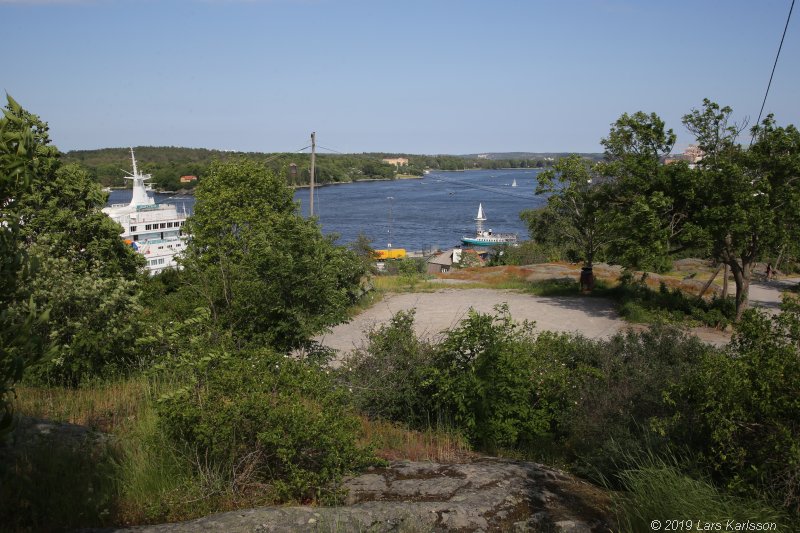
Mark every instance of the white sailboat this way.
pixel 514 183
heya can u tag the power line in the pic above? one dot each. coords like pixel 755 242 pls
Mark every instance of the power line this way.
pixel 330 149
pixel 773 67
pixel 485 188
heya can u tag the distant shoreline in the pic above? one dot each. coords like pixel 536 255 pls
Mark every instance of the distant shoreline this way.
pixel 404 177
pixel 191 191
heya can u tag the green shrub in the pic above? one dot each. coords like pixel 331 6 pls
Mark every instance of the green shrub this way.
pixel 531 252
pixel 388 376
pixel 739 408
pixel 264 418
pixel 638 303
pixel 502 385
pixel 618 401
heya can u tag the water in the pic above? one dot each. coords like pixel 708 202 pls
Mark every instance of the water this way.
pixel 433 212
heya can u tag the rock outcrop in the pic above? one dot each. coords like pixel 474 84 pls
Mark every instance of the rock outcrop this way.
pixel 484 495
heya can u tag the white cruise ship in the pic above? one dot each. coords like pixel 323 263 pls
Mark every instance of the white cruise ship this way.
pixel 154 230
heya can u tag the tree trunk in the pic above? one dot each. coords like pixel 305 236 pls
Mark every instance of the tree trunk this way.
pixel 741 275
pixel 725 282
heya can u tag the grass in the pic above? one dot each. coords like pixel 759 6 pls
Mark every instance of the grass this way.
pixel 103 406
pixel 394 442
pixel 657 489
pixel 137 476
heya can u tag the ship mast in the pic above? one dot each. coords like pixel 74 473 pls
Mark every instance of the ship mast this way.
pixel 139 196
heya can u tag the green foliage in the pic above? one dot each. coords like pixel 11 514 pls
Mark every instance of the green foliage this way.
pixel 387 377
pixel 577 209
pixel 93 320
pixel 21 157
pixel 265 273
pixel 85 276
pixel 503 386
pixel 616 406
pixel 638 303
pixel 279 419
pixel 534 251
pixel 739 407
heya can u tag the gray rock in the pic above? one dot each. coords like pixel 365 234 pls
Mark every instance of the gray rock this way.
pixel 485 495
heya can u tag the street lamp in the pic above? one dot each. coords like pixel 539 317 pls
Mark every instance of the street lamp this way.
pixel 391 200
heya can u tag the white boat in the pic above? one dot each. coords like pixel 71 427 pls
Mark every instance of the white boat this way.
pixel 154 230
pixel 488 238
pixel 514 183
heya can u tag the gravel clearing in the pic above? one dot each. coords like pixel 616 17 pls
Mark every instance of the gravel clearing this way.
pixel 444 309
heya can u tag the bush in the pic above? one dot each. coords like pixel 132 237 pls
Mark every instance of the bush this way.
pixel 738 408
pixel 268 419
pixel 388 376
pixel 624 394
pixel 638 303
pixel 501 384
pixel 531 252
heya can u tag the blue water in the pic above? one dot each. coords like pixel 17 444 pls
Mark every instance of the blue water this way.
pixel 433 212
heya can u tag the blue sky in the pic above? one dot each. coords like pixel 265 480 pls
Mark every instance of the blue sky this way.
pixel 420 76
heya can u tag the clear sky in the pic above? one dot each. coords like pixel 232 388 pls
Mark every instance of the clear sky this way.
pixel 419 76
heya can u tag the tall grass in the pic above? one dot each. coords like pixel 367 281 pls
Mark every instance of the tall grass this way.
pixel 393 442
pixel 656 489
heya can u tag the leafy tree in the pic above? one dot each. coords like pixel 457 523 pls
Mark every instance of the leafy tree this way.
pixel 750 197
pixel 651 202
pixel 577 205
pixel 86 276
pixel 265 273
pixel 19 163
pixel 362 247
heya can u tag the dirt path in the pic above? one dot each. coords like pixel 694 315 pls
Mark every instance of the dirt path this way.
pixel 442 310
pixel 767 294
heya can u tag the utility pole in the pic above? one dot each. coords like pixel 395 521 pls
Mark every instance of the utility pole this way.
pixel 391 221
pixel 313 163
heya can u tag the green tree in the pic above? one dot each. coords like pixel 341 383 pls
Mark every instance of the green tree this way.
pixel 578 206
pixel 265 272
pixel 86 276
pixel 651 202
pixel 750 197
pixel 19 163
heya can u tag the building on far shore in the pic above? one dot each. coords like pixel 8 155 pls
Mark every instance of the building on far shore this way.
pixel 188 179
pixel 692 155
pixel 396 161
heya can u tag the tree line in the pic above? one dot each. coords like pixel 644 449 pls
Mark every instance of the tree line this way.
pixel 167 164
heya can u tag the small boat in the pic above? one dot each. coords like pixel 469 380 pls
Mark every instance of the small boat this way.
pixel 488 238
pixel 514 183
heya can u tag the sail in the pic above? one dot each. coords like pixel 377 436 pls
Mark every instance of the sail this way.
pixel 480 216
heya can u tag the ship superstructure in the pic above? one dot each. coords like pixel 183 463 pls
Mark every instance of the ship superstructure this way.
pixel 154 230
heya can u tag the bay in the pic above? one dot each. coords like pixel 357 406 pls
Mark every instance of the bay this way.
pixel 415 214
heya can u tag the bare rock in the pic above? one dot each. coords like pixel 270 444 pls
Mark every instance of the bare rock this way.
pixel 485 495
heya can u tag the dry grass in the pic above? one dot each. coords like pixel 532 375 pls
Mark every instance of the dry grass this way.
pixel 104 407
pixel 394 442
